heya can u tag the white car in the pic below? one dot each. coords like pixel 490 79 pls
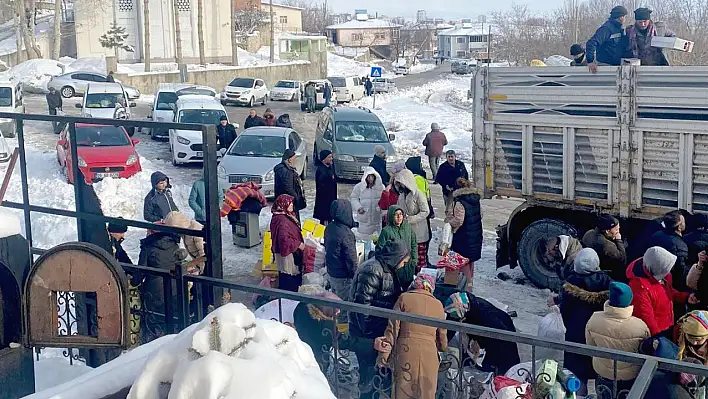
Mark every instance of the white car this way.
pixel 383 85
pixel 286 90
pixel 106 100
pixel 347 88
pixel 245 91
pixel 11 101
pixel 402 70
pixel 186 145
pixel 165 98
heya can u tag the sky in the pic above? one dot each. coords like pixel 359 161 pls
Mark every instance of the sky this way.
pixel 440 8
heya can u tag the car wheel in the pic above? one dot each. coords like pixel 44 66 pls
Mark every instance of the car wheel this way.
pixel 67 92
pixel 303 175
pixel 265 100
pixel 531 254
pixel 251 102
pixel 224 103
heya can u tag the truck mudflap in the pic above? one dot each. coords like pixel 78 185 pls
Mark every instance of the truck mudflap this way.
pixel 502 246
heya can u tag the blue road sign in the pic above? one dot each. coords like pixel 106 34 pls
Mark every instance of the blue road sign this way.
pixel 375 72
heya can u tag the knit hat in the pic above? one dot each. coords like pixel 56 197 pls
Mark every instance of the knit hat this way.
pixel 586 261
pixel 434 127
pixel 618 12
pixel 117 227
pixel 223 118
pixel 658 262
pixel 457 305
pixel 606 222
pixel 423 282
pixel 289 153
pixel 324 154
pixel 695 323
pixel 620 295
pixel 576 49
pixel 642 14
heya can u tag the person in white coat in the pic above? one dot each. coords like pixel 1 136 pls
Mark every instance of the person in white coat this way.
pixel 365 201
pixel 415 205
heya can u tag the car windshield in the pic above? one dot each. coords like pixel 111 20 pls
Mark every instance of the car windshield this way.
pixel 366 132
pixel 201 116
pixel 286 84
pixel 101 136
pixel 166 100
pixel 242 82
pixel 258 146
pixel 104 100
pixel 197 91
pixel 5 97
pixel 338 82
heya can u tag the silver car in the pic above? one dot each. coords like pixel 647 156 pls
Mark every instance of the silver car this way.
pixel 383 85
pixel 254 154
pixel 74 84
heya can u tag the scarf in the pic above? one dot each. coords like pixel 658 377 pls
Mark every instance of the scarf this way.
pixel 423 282
pixel 457 305
pixel 632 32
pixel 281 205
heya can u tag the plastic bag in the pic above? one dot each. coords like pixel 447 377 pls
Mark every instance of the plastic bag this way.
pixel 506 388
pixel 452 261
pixel 313 278
pixel 551 327
pixel 312 246
pixel 445 239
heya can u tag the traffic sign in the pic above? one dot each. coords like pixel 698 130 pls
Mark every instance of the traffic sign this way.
pixel 376 72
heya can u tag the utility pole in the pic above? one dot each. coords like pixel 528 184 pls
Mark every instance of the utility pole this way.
pixel 272 34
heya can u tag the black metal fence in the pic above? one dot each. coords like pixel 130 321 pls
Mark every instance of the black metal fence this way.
pixel 349 363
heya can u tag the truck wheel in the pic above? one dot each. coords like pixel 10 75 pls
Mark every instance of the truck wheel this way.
pixel 531 254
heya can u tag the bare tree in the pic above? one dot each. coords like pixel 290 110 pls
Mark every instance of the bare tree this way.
pixel 146 35
pixel 57 30
pixel 234 35
pixel 246 22
pixel 27 10
pixel 178 33
pixel 200 31
pixel 315 15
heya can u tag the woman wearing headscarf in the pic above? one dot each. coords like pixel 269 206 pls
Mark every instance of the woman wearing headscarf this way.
pixel 398 229
pixel 413 202
pixel 287 243
pixel 691 336
pixel 414 354
pixel 325 187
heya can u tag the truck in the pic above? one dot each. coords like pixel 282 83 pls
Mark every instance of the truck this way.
pixel 630 141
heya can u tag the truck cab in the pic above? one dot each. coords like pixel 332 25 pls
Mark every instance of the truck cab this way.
pixel 11 101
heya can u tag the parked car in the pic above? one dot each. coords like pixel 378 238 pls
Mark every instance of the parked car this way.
pixel 463 67
pixel 104 151
pixel 351 134
pixel 347 88
pixel 319 100
pixel 245 91
pixel 402 70
pixel 106 100
pixel 254 154
pixel 186 145
pixel 286 90
pixel 164 103
pixel 383 85
pixel 11 101
pixel 75 83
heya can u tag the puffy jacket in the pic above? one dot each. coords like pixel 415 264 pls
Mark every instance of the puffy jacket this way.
pixel 405 234
pixel 339 241
pixel 672 242
pixel 227 134
pixel 193 244
pixel 197 198
pixel 608 44
pixel 158 250
pixel 448 175
pixel 612 253
pixel 653 300
pixel 284 121
pixel 415 205
pixel 434 143
pixel 252 121
pixel 54 101
pixel 158 204
pixel 616 328
pixel 375 284
pixel 287 181
pixel 368 199
pixel 467 237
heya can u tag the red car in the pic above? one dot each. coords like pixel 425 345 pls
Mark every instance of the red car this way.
pixel 104 151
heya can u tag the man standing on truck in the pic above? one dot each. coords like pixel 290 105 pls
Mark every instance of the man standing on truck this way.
pixel 606 240
pixel 607 46
pixel 639 36
pixel 447 176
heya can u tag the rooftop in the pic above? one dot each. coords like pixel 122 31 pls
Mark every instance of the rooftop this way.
pixel 368 24
pixel 267 3
pixel 467 30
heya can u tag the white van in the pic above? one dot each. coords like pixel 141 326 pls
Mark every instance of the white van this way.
pixel 347 88
pixel 165 98
pixel 11 102
pixel 106 100
pixel 186 145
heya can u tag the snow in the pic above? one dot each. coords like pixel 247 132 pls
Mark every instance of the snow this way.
pixel 420 68
pixel 34 74
pixel 342 66
pixel 557 60
pixel 367 24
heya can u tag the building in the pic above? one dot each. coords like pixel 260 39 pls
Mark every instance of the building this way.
pixel 363 32
pixel 421 16
pixel 286 18
pixel 246 5
pixel 465 41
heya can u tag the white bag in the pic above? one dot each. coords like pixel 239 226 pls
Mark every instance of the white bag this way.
pixel 445 239
pixel 551 327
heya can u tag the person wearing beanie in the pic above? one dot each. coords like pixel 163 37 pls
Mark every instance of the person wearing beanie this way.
pixel 434 143
pixel 378 162
pixel 325 186
pixel 653 293
pixel 608 45
pixel 577 51
pixel 226 132
pixel 691 336
pixel 117 231
pixel 639 37
pixel 287 181
pixel 606 240
pixel 615 328
pixel 670 237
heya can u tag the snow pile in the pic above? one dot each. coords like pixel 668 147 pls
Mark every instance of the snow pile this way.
pixel 341 66
pixel 34 74
pixel 231 354
pixel 420 68
pixel 557 60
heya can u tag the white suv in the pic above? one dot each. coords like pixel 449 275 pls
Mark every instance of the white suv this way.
pixel 245 91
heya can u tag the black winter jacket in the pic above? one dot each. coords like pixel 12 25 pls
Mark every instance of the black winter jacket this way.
pixel 375 284
pixel 339 241
pixel 253 121
pixel 158 204
pixel 379 165
pixel 672 242
pixel 696 241
pixel 288 182
pixel 608 44
pixel 612 253
pixel 54 101
pixel 157 250
pixel 227 134
pixel 284 121
pixel 118 251
pixel 467 240
pixel 325 190
pixel 448 175
pixel 94 232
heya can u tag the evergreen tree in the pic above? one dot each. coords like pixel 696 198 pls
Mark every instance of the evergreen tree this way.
pixel 115 39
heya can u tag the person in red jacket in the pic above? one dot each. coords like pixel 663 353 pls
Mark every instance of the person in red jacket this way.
pixel 434 143
pixel 288 244
pixel 653 292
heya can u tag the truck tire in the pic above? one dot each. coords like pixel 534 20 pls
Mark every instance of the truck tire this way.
pixel 530 253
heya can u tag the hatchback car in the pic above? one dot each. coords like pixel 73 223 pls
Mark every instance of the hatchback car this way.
pixel 75 83
pixel 254 154
pixel 104 151
pixel 286 90
pixel 245 91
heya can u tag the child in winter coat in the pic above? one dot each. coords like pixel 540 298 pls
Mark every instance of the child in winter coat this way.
pixel 365 197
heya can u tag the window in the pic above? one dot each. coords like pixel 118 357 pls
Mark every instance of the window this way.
pixel 381 36
pixel 357 36
pixel 478 39
pixel 165 101
pixel 259 83
pixel 101 136
pixel 357 81
pixel 283 19
pixel 5 97
pixel 461 53
pixel 363 132
pixel 242 82
pixel 295 141
pixel 460 40
pixel 248 145
pixel 97 78
pixel 395 33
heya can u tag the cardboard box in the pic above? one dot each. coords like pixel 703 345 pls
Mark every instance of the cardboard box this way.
pixel 672 43
pixel 452 277
pixel 260 270
pixel 267 255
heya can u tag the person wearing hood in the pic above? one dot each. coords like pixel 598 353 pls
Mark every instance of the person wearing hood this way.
pixel 466 308
pixel 447 175
pixel 389 196
pixel 413 202
pixel 284 121
pixel 287 181
pixel 253 120
pixel 414 347
pixel 616 328
pixel 288 245
pixel 398 229
pixel 670 237
pixel 226 132
pixel 340 248
pixel 365 200
pixel 197 199
pixel 415 165
pixel 378 162
pixel 577 51
pixel 560 254
pixel 606 240
pixel 158 202
pixel 269 117
pixel 652 289
pixel 584 292
pixel 325 186
pixel 117 232
pixel 465 219
pixel 639 39
pixel 434 143
pixel 607 46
